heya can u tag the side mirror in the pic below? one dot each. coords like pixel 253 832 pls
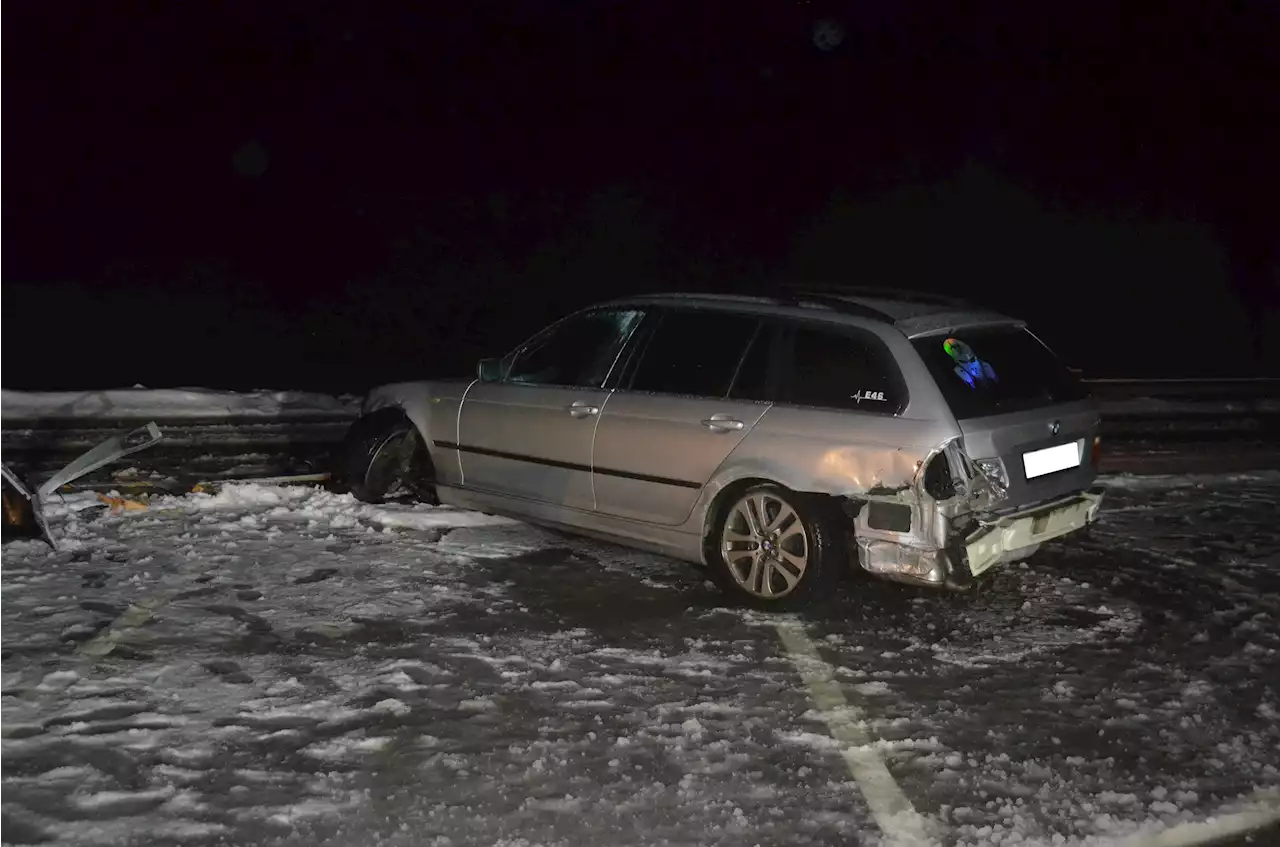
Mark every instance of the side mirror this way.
pixel 489 370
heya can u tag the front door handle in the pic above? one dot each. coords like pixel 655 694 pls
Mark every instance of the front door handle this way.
pixel 579 409
pixel 723 423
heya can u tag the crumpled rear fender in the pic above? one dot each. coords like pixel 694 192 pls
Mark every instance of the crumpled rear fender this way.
pixel 904 533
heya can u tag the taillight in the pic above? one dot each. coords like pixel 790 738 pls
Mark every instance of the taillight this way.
pixel 1097 449
pixel 997 477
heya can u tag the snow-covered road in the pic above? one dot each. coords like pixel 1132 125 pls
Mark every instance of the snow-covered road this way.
pixel 284 665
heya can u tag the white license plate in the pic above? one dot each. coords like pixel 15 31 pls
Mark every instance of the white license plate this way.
pixel 1051 459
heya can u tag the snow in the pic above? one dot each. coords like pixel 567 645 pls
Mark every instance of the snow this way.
pixel 318 670
pixel 170 403
pixel 269 507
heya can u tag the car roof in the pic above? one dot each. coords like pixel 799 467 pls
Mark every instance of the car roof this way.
pixel 912 314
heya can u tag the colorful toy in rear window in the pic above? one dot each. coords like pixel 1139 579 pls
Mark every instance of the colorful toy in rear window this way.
pixel 968 367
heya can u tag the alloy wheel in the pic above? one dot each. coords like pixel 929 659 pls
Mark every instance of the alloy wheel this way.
pixel 765 545
pixel 390 468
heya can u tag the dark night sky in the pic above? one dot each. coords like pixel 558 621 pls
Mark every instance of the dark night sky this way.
pixel 331 195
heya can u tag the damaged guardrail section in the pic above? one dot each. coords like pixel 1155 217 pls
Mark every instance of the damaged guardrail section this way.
pixel 23 507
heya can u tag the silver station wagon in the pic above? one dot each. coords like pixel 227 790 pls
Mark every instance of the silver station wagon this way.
pixel 778 441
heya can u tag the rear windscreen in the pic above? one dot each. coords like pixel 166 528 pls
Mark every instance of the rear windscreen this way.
pixel 996 370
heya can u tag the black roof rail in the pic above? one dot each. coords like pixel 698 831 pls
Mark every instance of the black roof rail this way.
pixel 834 303
pixel 905 295
pixel 800 299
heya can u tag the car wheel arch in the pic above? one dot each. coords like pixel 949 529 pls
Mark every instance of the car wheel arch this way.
pixel 365 438
pixel 720 501
pixel 846 506
pixel 725 495
pixel 386 417
pixel 827 530
pixel 387 412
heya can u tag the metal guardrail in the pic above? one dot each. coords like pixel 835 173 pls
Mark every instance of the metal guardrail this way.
pixel 1213 410
pixel 192 450
pixel 1168 422
pixel 1231 391
pixel 1199 387
pixel 1189 425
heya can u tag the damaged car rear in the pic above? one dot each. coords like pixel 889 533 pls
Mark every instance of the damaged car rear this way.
pixel 779 441
pixel 1015 472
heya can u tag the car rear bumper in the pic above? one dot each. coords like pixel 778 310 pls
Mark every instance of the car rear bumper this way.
pixel 1005 537
pixel 964 547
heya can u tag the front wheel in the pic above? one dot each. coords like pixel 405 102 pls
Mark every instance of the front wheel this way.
pixel 777 549
pixel 383 458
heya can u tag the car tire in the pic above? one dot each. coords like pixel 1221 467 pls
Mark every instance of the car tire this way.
pixel 794 553
pixel 383 458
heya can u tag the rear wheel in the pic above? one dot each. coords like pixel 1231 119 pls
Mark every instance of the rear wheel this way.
pixel 383 458
pixel 777 549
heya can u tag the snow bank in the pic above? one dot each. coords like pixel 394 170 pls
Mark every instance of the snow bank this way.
pixel 319 506
pixel 237 505
pixel 169 403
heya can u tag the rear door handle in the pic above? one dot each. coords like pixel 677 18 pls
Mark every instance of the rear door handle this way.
pixel 579 409
pixel 723 423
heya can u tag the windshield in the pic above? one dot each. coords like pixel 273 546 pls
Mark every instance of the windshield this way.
pixel 996 370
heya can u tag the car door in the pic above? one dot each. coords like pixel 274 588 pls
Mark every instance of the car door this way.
pixel 529 434
pixel 670 424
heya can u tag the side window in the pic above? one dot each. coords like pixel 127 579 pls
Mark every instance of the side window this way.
pixel 694 352
pixel 578 351
pixel 757 376
pixel 842 368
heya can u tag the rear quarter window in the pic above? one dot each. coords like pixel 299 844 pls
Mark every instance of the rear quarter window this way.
pixel 838 367
pixel 996 370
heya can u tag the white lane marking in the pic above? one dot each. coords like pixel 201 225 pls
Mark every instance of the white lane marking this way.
pixel 901 824
pixel 1265 810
